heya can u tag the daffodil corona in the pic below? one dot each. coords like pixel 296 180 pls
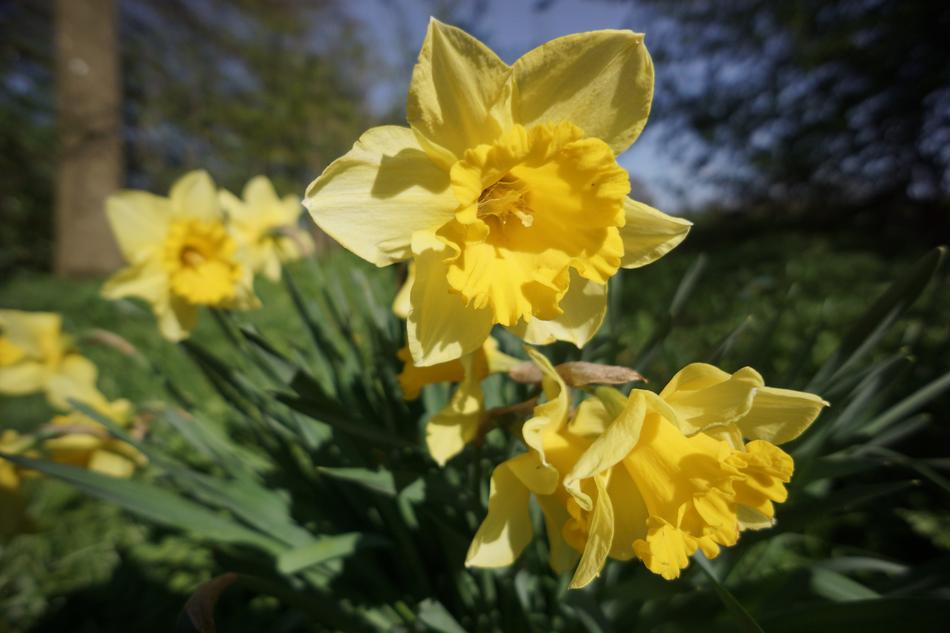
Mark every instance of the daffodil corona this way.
pixel 648 476
pixel 504 192
pixel 180 254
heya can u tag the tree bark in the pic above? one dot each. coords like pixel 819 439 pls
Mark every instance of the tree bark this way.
pixel 89 122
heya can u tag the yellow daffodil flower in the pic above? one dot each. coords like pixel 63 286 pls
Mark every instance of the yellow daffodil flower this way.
pixel 623 480
pixel 504 190
pixel 266 226
pixel 449 430
pixel 179 252
pixel 36 356
pixel 82 441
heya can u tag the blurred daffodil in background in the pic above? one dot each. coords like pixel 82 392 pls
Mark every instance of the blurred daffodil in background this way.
pixel 35 355
pixel 645 475
pixel 504 191
pixel 266 226
pixel 180 254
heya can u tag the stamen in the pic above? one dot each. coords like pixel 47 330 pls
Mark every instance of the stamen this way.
pixel 504 199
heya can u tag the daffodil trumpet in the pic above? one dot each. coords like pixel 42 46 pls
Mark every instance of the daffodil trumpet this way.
pixel 504 192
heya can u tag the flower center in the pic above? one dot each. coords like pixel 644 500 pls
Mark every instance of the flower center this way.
pixel 199 261
pixel 503 201
pixel 533 205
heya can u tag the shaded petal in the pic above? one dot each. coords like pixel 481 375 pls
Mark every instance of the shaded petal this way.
pixel 599 539
pixel 440 327
pixel 630 514
pixel 455 83
pixel 372 199
pixel 562 556
pixel 176 319
pixel 780 415
pixel 507 528
pixel 584 305
pixel 601 81
pixel 139 222
pixel 649 234
pixel 193 196
pixel 449 430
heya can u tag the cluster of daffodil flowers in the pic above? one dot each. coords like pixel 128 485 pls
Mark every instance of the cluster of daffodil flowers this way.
pixel 201 246
pixel 36 357
pixel 505 198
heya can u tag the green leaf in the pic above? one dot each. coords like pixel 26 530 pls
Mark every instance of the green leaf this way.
pixel 869 329
pixel 326 548
pixel 380 481
pixel 807 512
pixel 437 617
pixel 744 620
pixel 908 405
pixel 152 503
pixel 683 292
pixel 838 587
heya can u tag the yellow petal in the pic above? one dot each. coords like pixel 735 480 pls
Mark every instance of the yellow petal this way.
pixel 176 319
pixel 703 396
pixel 402 303
pixel 601 81
pixel 259 193
pixel 24 378
pixel 372 199
pixel 112 464
pixel 440 327
pixel 146 280
pixel 584 305
pixel 630 514
pixel 649 234
pixel 453 427
pixel 619 438
pixel 139 222
pixel 591 419
pixel 507 528
pixel 780 415
pixel 194 197
pixel 562 556
pixel 549 416
pixel 37 334
pixel 599 539
pixel 455 83
pixel 74 379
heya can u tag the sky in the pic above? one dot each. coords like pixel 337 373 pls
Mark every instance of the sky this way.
pixel 511 28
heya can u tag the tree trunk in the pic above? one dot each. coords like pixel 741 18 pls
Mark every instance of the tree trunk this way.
pixel 90 146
